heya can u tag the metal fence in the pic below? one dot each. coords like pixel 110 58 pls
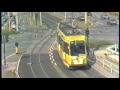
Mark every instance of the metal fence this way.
pixel 114 69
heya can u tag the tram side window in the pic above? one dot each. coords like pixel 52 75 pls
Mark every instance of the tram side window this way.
pixel 60 41
pixel 66 48
pixel 62 46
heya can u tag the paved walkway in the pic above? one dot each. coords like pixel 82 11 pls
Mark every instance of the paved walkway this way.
pixel 103 71
pixel 8 71
pixel 99 68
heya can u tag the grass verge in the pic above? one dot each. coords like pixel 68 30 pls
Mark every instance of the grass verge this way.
pixel 10 32
pixel 112 13
pixel 100 43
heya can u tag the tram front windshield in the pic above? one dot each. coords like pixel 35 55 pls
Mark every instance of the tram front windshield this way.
pixel 77 47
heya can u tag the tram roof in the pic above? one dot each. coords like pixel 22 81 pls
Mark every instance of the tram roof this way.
pixel 68 30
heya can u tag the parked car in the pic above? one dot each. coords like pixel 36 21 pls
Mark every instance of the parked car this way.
pixel 112 22
pixel 105 17
pixel 81 18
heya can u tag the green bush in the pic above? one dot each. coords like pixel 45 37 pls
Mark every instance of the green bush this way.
pixel 100 43
pixel 112 13
pixel 9 32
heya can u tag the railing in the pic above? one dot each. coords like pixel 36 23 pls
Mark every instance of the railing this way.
pixel 107 65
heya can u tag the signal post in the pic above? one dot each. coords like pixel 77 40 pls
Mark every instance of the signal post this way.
pixel 17 49
pixel 87 35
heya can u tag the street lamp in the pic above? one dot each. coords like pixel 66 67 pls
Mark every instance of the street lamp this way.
pixel 65 15
pixel 8 13
pixel 87 35
pixel 73 22
pixel 40 19
pixel 15 14
pixel 85 18
pixel 4 40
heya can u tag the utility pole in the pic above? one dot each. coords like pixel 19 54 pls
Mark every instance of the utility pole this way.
pixel 87 35
pixel 40 19
pixel 72 15
pixel 8 13
pixel 73 23
pixel 86 19
pixel 16 18
pixel 65 15
pixel 36 14
pixel 30 14
pixel 33 15
pixel 4 39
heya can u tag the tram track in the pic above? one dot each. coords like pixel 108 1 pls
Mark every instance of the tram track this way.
pixel 36 44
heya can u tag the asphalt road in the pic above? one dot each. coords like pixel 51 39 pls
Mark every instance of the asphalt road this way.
pixel 37 64
pixel 41 66
pixel 103 31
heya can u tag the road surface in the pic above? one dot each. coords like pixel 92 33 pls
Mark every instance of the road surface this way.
pixel 41 66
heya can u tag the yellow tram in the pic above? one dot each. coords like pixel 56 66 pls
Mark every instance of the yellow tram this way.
pixel 71 46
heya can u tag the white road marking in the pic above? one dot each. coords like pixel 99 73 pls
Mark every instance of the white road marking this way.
pixel 32 71
pixel 99 71
pixel 50 58
pixel 51 61
pixel 51 47
pixel 29 63
pixel 51 54
pixel 18 67
pixel 31 67
pixel 42 68
pixel 55 64
pixel 61 73
pixel 50 50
